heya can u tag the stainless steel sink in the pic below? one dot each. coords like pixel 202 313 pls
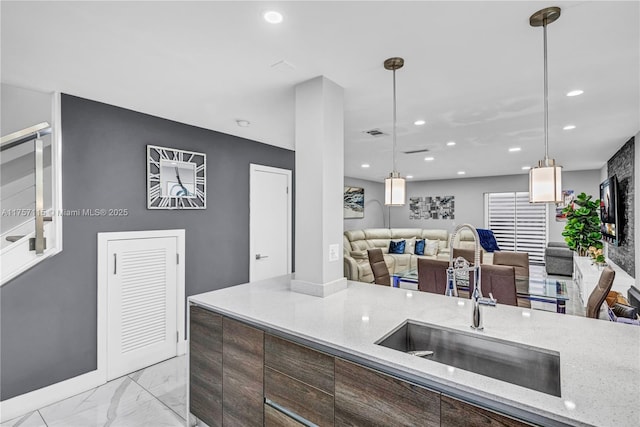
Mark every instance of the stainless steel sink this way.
pixel 531 367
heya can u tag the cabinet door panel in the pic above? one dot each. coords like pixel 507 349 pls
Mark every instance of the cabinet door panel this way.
pixel 367 397
pixel 205 366
pixel 302 399
pixel 304 364
pixel 456 413
pixel 243 359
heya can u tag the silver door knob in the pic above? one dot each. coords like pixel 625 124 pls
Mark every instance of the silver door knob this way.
pixel 258 256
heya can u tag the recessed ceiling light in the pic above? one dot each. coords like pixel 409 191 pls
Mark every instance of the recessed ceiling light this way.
pixel 575 92
pixel 243 123
pixel 428 159
pixel 461 172
pixel 409 176
pixel 451 143
pixel 526 168
pixel 273 17
pixel 365 165
pixel 569 127
pixel 514 149
pixel 419 122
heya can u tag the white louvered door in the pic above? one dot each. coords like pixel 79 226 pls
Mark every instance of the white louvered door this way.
pixel 141 298
pixel 517 224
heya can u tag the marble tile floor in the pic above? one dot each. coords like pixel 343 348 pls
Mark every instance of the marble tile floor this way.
pixel 156 396
pixel 152 397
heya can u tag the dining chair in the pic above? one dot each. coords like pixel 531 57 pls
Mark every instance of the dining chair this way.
pixel 432 275
pixel 519 260
pixel 599 293
pixel 500 281
pixel 468 254
pixel 379 267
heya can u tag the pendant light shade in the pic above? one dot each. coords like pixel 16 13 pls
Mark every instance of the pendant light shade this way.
pixel 394 190
pixel 394 185
pixel 545 179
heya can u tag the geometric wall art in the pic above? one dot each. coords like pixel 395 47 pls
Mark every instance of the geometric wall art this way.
pixel 353 202
pixel 440 207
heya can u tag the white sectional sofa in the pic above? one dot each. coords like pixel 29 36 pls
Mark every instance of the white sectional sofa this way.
pixel 357 242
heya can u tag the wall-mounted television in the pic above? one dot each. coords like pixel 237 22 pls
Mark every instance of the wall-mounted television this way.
pixel 610 227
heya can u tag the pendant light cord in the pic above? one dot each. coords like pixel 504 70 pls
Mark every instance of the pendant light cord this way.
pixel 546 97
pixel 394 121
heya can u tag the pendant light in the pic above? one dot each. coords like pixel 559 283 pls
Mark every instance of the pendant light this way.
pixel 394 185
pixel 545 179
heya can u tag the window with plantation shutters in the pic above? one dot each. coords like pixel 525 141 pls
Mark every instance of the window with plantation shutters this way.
pixel 518 225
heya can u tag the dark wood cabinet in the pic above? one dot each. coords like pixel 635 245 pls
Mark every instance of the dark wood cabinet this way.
pixel 243 374
pixel 299 379
pixel 456 413
pixel 205 365
pixel 302 363
pixel 367 397
pixel 237 372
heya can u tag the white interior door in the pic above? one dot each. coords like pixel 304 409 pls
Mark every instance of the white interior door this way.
pixel 270 222
pixel 141 303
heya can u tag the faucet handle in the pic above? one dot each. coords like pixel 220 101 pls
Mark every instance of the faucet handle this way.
pixel 491 301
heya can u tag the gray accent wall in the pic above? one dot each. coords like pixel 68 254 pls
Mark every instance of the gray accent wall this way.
pixel 48 314
pixel 622 166
pixel 376 214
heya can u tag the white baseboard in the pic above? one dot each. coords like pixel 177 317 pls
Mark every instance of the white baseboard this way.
pixel 20 405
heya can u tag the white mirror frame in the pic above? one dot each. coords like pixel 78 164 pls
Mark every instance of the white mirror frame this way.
pixel 159 161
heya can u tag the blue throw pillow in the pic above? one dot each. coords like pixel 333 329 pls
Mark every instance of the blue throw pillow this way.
pixel 487 240
pixel 397 247
pixel 419 250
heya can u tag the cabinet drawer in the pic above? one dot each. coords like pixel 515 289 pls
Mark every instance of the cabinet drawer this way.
pixel 275 418
pixel 302 363
pixel 365 397
pixel 302 399
pixel 455 413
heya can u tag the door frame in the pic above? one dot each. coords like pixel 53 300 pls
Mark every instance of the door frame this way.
pixel 103 262
pixel 288 173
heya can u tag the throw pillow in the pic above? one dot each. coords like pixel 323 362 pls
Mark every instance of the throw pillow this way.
pixel 487 240
pixel 623 310
pixel 410 245
pixel 396 247
pixel 431 247
pixel 419 248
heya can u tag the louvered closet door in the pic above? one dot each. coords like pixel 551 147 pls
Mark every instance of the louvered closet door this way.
pixel 141 304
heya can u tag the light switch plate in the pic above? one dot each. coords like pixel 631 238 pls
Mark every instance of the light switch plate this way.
pixel 333 252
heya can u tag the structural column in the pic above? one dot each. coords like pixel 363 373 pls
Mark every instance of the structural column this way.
pixel 319 187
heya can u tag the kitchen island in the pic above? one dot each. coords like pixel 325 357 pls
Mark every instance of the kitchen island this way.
pixel 266 322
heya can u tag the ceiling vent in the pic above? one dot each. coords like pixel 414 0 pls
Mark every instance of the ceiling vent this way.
pixel 375 132
pixel 422 150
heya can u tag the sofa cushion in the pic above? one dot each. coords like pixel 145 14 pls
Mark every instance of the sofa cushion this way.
pixel 405 233
pixel 353 235
pixel 377 233
pixel 419 247
pixel 359 255
pixel 397 246
pixel 436 235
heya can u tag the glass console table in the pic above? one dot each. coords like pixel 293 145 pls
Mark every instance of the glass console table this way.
pixel 531 288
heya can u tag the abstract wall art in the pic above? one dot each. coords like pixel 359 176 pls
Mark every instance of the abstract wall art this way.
pixel 440 207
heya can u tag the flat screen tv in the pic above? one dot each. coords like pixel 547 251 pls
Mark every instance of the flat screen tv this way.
pixel 609 217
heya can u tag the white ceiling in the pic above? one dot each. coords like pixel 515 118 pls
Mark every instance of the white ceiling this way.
pixel 473 71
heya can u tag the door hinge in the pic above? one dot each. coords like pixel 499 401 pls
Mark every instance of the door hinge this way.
pixel 177 336
pixel 287 190
pixel 177 258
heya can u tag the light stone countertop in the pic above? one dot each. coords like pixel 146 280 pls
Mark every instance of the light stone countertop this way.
pixel 599 360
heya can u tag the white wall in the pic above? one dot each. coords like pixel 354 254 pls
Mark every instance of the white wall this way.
pixel 376 214
pixel 469 198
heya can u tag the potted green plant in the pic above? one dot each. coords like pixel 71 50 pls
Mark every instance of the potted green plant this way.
pixel 583 224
